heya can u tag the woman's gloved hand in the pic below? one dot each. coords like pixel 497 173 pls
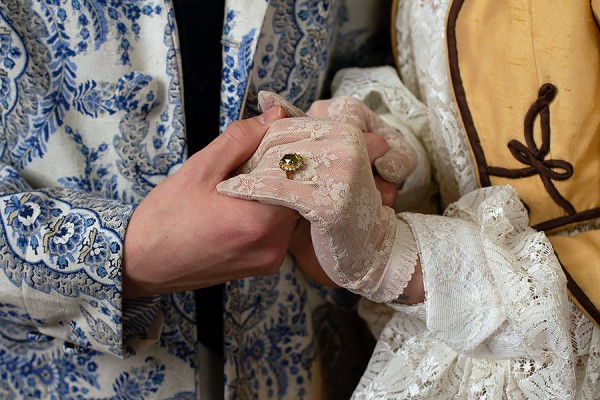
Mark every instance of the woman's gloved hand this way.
pixel 393 158
pixel 358 241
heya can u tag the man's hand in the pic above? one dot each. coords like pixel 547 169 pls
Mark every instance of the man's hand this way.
pixel 185 235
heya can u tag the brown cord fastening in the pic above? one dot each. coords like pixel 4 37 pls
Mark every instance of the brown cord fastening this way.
pixel 534 157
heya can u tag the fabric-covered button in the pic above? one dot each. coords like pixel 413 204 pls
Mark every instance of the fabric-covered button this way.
pixel 72 348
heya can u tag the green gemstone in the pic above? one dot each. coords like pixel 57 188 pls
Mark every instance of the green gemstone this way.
pixel 291 162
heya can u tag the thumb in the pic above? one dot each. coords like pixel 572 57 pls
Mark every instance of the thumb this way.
pixel 239 141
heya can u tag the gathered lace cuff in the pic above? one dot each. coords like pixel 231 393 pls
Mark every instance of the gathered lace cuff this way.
pixel 400 266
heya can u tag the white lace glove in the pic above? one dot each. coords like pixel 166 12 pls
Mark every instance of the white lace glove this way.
pixel 358 241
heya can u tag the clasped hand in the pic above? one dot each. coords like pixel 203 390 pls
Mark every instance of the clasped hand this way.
pixel 352 232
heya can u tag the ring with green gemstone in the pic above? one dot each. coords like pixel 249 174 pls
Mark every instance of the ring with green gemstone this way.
pixel 291 163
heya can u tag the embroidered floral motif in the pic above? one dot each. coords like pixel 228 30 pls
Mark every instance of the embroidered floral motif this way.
pixel 95 178
pixel 180 338
pixel 61 34
pixel 272 355
pixel 95 98
pixel 26 214
pixel 74 375
pixel 65 234
pixel 63 237
pixel 124 128
pixel 12 63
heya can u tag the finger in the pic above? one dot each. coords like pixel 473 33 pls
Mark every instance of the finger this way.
pixel 377 146
pixel 345 109
pixel 397 164
pixel 319 109
pixel 387 190
pixel 268 100
pixel 234 146
pixel 334 155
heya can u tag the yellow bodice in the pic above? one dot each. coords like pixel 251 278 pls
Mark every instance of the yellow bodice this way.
pixel 526 78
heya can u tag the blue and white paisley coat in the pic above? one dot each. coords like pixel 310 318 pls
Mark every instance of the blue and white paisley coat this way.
pixel 91 119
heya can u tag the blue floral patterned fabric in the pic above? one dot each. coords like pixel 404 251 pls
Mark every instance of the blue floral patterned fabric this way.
pixel 91 119
pixel 88 127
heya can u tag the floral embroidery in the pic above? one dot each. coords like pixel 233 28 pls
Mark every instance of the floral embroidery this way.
pixel 62 238
pixel 180 338
pixel 26 214
pixel 95 98
pixel 268 346
pixel 62 33
pixel 95 178
pixel 65 233
pixel 12 63
pixel 96 251
pixel 66 240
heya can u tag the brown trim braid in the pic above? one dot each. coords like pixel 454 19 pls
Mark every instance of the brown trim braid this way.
pixel 583 300
pixel 581 216
pixel 393 33
pixel 459 92
pixel 529 153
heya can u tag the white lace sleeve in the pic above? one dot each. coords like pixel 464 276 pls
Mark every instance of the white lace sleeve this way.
pixel 495 322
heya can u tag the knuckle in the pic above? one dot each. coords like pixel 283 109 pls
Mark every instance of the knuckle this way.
pixel 319 108
pixel 349 100
pixel 193 169
pixel 353 148
pixel 238 131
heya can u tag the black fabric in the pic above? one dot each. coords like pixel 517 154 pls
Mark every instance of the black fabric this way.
pixel 200 25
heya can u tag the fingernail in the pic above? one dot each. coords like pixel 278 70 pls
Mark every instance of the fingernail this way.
pixel 269 116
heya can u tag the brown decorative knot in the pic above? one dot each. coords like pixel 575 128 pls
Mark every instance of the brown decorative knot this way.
pixel 534 156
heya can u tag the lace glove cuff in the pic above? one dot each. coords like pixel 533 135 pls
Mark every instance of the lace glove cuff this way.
pixel 400 267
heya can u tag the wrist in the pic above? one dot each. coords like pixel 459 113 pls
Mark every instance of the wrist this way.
pixel 137 266
pixel 303 252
